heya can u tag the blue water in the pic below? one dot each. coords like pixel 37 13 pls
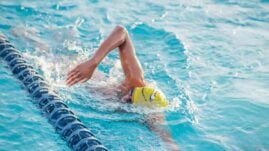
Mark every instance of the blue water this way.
pixel 209 57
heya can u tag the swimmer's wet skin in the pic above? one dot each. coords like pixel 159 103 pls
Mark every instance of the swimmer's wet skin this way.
pixel 134 87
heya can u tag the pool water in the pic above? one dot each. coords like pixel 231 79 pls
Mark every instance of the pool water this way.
pixel 209 57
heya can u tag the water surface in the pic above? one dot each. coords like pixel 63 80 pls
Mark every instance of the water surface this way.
pixel 209 57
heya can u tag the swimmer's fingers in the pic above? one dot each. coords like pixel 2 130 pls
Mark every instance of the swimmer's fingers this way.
pixel 73 77
pixel 74 82
pixel 70 75
pixel 72 71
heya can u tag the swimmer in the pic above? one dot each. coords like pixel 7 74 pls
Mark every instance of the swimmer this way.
pixel 134 88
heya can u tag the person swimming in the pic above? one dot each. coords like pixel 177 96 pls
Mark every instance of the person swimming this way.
pixel 134 78
pixel 134 88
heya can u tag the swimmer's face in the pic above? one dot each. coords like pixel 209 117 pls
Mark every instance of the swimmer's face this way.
pixel 128 97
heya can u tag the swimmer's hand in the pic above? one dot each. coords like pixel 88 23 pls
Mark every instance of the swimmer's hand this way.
pixel 81 73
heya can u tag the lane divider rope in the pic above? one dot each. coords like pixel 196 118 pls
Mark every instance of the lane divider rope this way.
pixel 65 122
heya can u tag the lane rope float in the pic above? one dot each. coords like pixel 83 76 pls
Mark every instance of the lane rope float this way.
pixel 65 122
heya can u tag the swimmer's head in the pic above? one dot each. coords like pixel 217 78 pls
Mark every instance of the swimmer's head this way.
pixel 148 96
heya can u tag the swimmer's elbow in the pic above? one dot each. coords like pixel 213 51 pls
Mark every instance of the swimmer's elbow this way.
pixel 121 29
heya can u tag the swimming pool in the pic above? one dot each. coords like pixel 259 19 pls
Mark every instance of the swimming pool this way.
pixel 209 58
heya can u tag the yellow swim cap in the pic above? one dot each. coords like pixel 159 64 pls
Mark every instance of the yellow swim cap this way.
pixel 148 96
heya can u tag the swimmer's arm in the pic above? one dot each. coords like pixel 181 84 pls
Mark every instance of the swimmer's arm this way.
pixel 154 123
pixel 84 71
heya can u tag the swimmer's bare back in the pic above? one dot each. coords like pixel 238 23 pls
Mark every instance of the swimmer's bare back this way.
pixel 119 38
